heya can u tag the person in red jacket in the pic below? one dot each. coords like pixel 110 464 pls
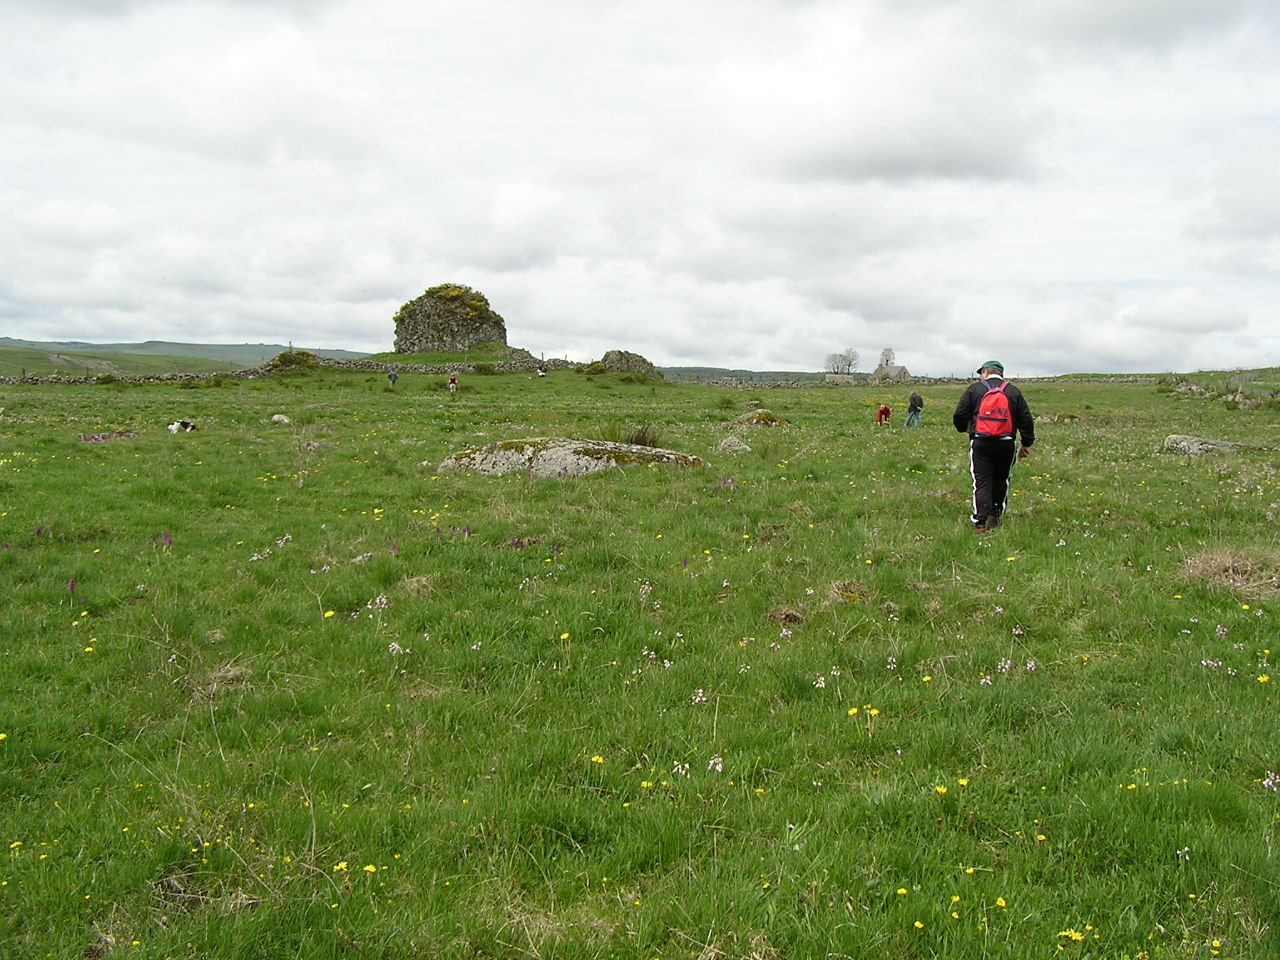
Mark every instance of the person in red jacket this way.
pixel 993 450
pixel 883 414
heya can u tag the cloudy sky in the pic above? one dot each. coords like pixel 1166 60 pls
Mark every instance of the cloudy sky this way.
pixel 1067 185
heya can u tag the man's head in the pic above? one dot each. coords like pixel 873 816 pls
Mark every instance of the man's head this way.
pixel 990 367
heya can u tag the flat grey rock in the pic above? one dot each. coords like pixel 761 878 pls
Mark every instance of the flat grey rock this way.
pixel 1196 446
pixel 562 457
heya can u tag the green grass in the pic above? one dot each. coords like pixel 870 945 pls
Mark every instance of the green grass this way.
pixel 309 698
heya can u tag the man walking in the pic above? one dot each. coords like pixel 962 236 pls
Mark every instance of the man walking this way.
pixel 993 413
pixel 914 406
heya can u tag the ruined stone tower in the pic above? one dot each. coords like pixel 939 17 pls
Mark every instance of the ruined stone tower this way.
pixel 449 318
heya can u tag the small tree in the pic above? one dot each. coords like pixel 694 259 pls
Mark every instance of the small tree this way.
pixel 886 357
pixel 846 361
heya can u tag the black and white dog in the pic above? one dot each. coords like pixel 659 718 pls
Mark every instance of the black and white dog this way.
pixel 186 426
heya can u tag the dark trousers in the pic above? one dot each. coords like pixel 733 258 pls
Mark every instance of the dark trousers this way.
pixel 992 464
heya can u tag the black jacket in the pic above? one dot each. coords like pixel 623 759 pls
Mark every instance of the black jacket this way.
pixel 967 409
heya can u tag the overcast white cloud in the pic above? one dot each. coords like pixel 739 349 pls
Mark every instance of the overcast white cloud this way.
pixel 1069 185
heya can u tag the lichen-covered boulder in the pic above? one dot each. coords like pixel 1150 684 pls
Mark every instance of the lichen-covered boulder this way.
pixel 1196 446
pixel 758 418
pixel 561 457
pixel 733 444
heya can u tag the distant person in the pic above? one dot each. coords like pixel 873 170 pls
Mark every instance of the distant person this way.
pixel 914 405
pixel 453 383
pixel 994 414
pixel 392 377
pixel 884 414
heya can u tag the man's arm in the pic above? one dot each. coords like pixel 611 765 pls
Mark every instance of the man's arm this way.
pixel 1026 425
pixel 963 415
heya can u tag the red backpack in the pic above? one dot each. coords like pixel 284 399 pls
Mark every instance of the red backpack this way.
pixel 994 417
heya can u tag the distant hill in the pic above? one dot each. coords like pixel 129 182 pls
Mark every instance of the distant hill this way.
pixel 703 374
pixel 246 354
pixel 37 358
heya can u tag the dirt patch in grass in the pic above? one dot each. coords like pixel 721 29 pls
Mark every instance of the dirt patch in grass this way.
pixel 229 676
pixel 1248 575
pixel 787 616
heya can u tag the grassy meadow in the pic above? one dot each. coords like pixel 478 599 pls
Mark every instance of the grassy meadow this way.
pixel 282 690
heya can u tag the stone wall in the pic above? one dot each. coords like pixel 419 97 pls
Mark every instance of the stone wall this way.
pixel 522 362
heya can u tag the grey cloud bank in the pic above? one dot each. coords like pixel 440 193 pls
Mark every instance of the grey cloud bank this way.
pixel 1069 185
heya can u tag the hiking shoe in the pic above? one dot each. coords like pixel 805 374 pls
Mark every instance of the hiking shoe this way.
pixel 979 528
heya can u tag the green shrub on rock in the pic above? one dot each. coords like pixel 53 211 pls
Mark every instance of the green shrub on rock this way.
pixel 293 360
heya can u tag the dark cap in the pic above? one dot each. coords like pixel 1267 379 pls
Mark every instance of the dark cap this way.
pixel 995 365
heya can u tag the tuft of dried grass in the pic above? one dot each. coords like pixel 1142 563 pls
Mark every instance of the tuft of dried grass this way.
pixel 757 948
pixel 423 585
pixel 1236 570
pixel 177 890
pixel 848 591
pixel 229 676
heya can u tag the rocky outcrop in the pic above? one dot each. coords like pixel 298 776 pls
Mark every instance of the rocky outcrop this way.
pixel 449 318
pixel 622 361
pixel 561 457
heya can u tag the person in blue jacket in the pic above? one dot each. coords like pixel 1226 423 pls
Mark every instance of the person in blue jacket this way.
pixel 993 454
